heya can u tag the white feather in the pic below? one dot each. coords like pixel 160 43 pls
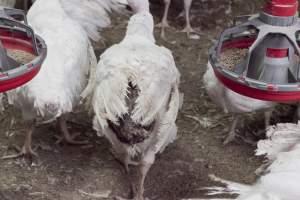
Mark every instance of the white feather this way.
pixel 281 179
pixel 92 15
pixel 282 136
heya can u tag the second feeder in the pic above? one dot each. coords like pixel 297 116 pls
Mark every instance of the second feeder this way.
pixel 259 58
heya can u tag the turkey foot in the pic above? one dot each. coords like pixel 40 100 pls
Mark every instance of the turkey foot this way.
pixel 188 30
pixel 144 168
pixel 163 25
pixel 26 150
pixel 70 139
pixel 123 159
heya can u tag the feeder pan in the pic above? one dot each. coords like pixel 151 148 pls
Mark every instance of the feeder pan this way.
pixel 270 69
pixel 16 35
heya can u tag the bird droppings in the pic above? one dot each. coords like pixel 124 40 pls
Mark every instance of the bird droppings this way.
pixel 22 57
pixel 231 57
pixel 94 170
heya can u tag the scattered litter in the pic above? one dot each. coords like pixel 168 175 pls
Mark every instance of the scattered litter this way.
pixel 22 187
pixel 98 195
pixel 194 37
pixel 204 122
pixel 35 194
pixel 201 160
pixel 43 146
pixel 176 173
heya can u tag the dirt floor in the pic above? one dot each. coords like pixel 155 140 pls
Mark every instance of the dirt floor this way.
pixel 64 172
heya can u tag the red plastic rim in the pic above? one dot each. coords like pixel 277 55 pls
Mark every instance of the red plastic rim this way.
pixel 19 80
pixel 18 41
pixel 268 95
pixel 281 8
pixel 256 93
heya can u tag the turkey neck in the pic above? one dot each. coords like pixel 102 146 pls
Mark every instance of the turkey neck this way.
pixel 141 25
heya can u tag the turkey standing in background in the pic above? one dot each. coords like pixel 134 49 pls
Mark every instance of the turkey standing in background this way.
pixel 233 102
pixel 164 23
pixel 66 26
pixel 136 96
pixel 280 180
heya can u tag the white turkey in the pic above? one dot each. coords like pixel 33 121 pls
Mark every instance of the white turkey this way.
pixel 233 102
pixel 136 96
pixel 164 23
pixel 66 26
pixel 280 180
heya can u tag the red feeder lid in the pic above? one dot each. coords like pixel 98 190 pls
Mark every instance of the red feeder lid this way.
pixel 281 8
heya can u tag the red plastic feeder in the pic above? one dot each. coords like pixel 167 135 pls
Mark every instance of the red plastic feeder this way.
pixel 15 34
pixel 271 68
